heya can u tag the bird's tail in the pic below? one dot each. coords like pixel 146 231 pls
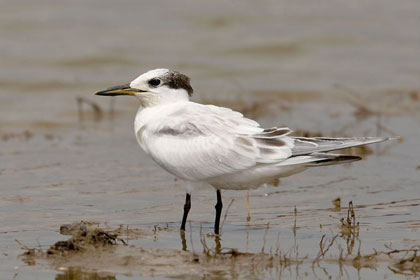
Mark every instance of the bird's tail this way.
pixel 323 159
pixel 318 159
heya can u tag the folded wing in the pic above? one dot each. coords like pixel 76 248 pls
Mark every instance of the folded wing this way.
pixel 198 142
pixel 201 142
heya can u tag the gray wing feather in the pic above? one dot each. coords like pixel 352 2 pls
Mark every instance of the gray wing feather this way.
pixel 273 144
pixel 309 145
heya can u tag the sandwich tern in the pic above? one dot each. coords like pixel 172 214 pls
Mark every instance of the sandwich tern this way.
pixel 216 145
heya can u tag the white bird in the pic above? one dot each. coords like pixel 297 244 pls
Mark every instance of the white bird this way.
pixel 216 145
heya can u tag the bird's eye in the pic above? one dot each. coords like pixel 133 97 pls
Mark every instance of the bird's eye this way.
pixel 154 82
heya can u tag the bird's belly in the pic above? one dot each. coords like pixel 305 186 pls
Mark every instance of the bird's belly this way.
pixel 254 177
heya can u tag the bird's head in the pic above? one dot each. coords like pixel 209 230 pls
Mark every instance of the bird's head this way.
pixel 155 87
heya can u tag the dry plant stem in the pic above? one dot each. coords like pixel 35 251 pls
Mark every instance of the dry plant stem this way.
pixel 23 246
pixel 206 249
pixel 248 207
pixel 349 225
pixel 191 239
pixel 294 224
pixel 226 213
pixel 265 237
pixel 247 238
pixel 96 108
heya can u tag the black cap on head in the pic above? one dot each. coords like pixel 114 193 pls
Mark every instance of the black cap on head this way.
pixel 176 80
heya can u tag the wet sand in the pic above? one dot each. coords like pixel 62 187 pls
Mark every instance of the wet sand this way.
pixel 88 171
pixel 67 156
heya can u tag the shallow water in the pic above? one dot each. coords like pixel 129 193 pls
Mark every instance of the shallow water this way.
pixel 333 70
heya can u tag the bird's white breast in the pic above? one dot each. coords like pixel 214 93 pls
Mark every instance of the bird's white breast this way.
pixel 145 118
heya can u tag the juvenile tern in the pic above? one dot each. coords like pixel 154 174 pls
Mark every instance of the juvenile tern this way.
pixel 216 145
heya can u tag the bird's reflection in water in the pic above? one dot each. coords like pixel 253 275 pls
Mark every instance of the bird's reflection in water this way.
pixel 217 241
pixel 218 244
pixel 247 236
pixel 183 240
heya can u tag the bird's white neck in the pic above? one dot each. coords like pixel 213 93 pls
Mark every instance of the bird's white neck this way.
pixel 149 99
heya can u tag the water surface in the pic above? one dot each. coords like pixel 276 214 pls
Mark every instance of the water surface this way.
pixel 333 69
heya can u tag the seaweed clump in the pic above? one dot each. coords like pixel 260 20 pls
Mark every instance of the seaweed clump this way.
pixel 84 236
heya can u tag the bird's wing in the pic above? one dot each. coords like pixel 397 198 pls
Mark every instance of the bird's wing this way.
pixel 306 145
pixel 197 142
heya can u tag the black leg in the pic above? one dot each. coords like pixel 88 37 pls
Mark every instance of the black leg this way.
pixel 218 207
pixel 187 207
